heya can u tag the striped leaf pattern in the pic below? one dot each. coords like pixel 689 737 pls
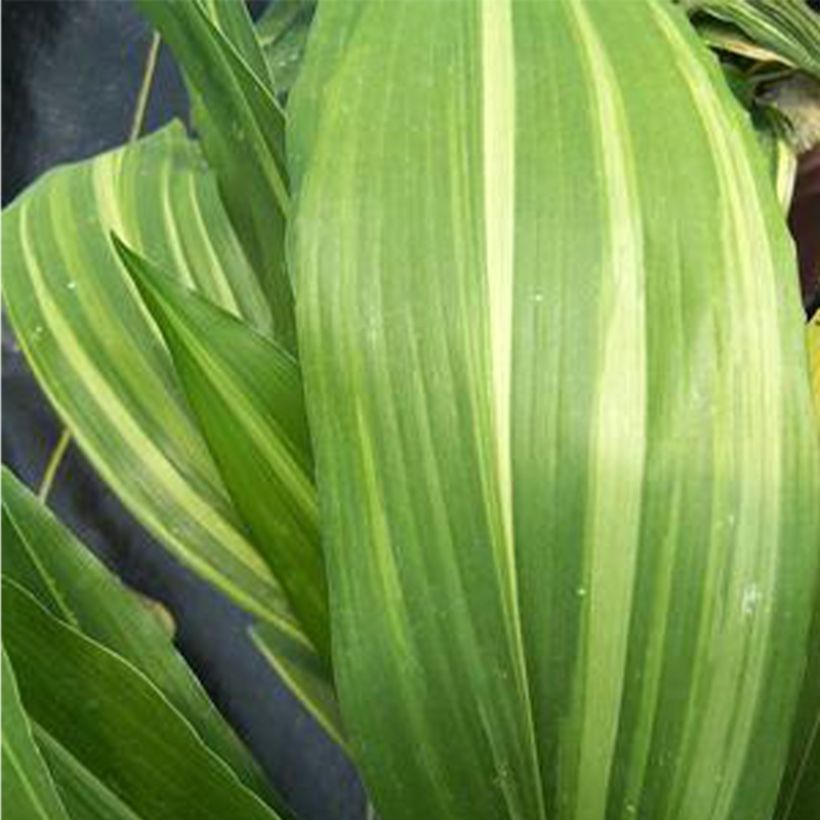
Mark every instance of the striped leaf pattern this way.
pixel 241 127
pixel 246 393
pixel 789 30
pixel 554 363
pixel 102 361
pixel 28 791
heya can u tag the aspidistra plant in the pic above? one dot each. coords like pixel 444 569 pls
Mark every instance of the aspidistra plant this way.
pixel 461 344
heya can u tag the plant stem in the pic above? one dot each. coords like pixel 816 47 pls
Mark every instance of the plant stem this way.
pixel 53 465
pixel 137 122
pixel 145 88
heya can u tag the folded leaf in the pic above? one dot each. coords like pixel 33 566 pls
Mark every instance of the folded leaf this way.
pixel 247 395
pixel 29 792
pixel 44 558
pixel 554 364
pixel 242 130
pixel 115 723
pixel 101 360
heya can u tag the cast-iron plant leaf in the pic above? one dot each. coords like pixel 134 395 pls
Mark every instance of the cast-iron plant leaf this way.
pixel 509 442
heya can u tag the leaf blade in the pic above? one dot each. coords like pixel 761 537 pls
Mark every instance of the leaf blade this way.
pixel 789 29
pixel 638 492
pixel 242 131
pixel 101 361
pixel 46 560
pixel 115 722
pixel 28 790
pixel 247 395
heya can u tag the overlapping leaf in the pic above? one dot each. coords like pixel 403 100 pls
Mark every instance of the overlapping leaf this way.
pixel 247 395
pixel 44 558
pixel 786 31
pixel 772 59
pixel 28 792
pixel 553 354
pixel 85 796
pixel 115 727
pixel 282 32
pixel 242 130
pixel 103 363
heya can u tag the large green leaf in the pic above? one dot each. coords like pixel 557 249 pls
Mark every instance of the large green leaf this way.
pixel 247 394
pixel 44 558
pixel 241 127
pixel 116 725
pixel 101 360
pixel 553 355
pixel 28 790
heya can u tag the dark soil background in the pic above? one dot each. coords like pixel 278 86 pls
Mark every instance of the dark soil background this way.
pixel 71 72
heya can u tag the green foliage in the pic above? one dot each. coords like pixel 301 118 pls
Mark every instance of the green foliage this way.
pixel 528 470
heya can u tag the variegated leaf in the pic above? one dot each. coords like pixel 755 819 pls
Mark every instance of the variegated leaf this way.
pixel 554 363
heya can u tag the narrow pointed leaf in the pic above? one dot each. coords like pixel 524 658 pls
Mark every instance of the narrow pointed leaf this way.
pixel 28 791
pixel 247 395
pixel 45 558
pixel 775 137
pixel 727 38
pixel 242 130
pixel 305 675
pixel 101 360
pixel 116 724
pixel 554 363
pixel 85 796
